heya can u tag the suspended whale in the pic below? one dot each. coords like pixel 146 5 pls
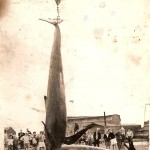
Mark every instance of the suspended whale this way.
pixel 55 123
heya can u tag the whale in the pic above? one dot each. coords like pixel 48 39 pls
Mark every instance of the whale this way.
pixel 55 105
pixel 55 122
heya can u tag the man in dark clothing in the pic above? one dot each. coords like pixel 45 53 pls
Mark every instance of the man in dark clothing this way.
pixel 97 137
pixel 21 134
pixel 119 139
pixel 15 143
pixel 107 139
pixel 76 128
pixel 113 140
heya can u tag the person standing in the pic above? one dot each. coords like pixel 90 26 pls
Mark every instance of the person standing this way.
pixel 107 139
pixel 113 141
pixel 20 135
pixel 119 139
pixel 97 137
pixel 76 128
pixel 5 138
pixel 30 136
pixel 122 131
pixel 15 143
pixel 10 142
pixel 41 143
pixel 26 139
pixel 129 135
pixel 34 140
pixel 89 139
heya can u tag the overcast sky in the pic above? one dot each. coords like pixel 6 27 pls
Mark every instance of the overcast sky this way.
pixel 105 53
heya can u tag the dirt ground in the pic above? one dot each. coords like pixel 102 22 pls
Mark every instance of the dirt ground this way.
pixel 138 146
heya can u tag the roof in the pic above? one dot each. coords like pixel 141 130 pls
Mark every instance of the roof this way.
pixel 7 128
pixel 85 117
pixel 146 122
pixel 130 124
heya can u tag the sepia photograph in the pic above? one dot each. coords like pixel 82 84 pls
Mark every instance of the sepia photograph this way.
pixel 74 75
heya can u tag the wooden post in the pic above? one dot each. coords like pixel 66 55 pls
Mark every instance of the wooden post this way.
pixel 104 119
pixel 104 122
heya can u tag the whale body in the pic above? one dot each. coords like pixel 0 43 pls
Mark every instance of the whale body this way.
pixel 55 123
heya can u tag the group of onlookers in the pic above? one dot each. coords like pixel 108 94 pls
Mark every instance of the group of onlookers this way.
pixel 113 141
pixel 24 140
pixel 91 139
pixel 116 141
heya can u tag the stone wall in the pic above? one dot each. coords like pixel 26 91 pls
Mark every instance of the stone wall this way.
pixel 112 121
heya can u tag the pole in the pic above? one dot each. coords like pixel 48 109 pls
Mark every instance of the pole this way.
pixel 104 119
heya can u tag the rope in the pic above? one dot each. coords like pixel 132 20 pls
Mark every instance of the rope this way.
pixel 57 3
pixel 58 17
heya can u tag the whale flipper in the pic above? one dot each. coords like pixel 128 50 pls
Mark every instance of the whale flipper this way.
pixel 72 139
pixel 50 138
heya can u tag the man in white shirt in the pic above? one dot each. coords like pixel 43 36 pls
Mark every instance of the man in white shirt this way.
pixel 129 135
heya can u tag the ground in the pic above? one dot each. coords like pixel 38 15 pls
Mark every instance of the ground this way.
pixel 138 145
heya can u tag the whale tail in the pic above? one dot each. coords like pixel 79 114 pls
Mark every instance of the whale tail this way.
pixel 52 21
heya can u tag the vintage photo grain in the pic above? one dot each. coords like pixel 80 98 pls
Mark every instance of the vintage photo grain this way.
pixel 74 74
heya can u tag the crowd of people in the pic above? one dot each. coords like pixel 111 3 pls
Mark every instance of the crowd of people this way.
pixel 113 141
pixel 25 140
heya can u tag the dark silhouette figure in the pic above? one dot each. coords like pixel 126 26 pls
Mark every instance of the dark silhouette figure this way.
pixel 130 147
pixel 76 128
pixel 97 137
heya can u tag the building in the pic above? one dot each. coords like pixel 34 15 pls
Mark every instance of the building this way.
pixel 133 127
pixel 143 132
pixel 112 121
pixel 10 130
pixel 138 131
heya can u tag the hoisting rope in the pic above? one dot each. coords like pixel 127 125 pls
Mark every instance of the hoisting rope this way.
pixel 57 3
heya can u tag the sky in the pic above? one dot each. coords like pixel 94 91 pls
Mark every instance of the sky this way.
pixel 105 54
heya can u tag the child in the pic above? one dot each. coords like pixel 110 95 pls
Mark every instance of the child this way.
pixel 10 142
